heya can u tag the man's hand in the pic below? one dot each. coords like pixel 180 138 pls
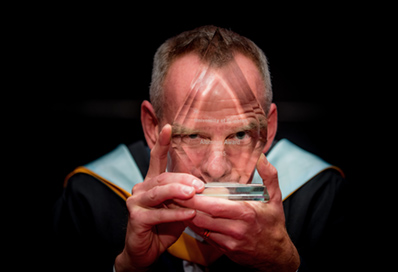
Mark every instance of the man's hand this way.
pixel 250 233
pixel 152 227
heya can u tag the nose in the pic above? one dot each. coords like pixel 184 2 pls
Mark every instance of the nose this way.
pixel 216 165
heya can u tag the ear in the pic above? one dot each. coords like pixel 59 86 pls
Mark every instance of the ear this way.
pixel 150 124
pixel 272 126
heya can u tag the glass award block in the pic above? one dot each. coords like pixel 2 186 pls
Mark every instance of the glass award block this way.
pixel 236 191
pixel 219 132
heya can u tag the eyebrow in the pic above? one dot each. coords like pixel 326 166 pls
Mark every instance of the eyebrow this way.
pixel 180 129
pixel 183 130
pixel 250 126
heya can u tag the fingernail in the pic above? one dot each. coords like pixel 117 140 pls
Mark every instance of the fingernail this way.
pixel 187 190
pixel 197 184
pixel 189 212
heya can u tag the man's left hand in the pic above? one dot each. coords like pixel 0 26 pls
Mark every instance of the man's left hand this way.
pixel 250 233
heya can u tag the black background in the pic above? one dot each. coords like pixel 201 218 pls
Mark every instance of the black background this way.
pixel 94 71
pixel 85 70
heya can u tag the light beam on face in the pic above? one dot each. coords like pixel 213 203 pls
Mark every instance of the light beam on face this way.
pixel 220 130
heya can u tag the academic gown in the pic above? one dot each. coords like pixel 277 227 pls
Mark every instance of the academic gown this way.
pixel 90 223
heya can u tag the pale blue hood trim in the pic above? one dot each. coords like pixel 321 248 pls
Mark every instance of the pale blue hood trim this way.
pixel 295 166
pixel 118 167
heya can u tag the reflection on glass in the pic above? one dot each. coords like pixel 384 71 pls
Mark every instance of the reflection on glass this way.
pixel 220 130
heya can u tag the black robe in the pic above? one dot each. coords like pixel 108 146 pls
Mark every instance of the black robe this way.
pixel 90 223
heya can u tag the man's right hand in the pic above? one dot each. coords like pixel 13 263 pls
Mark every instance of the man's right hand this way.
pixel 152 227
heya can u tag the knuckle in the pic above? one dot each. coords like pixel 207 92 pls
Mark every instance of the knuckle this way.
pixel 155 153
pixel 152 194
pixel 130 202
pixel 200 221
pixel 277 197
pixel 273 172
pixel 133 214
pixel 132 208
pixel 136 188
pixel 232 245
pixel 136 214
pixel 249 216
pixel 249 213
pixel 162 178
pixel 239 234
pixel 218 210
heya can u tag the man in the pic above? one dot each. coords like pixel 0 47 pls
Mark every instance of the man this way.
pixel 165 224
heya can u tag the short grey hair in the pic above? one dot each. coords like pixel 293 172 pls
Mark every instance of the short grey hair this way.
pixel 197 41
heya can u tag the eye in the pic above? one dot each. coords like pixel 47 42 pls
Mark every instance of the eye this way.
pixel 240 135
pixel 191 139
pixel 240 138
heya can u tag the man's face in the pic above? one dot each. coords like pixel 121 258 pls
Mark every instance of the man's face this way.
pixel 219 130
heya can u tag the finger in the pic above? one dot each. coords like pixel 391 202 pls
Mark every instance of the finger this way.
pixel 220 241
pixel 232 228
pixel 158 216
pixel 216 207
pixel 168 178
pixel 269 174
pixel 158 162
pixel 159 194
pixel 223 243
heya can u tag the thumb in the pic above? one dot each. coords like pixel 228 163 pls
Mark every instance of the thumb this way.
pixel 158 161
pixel 269 175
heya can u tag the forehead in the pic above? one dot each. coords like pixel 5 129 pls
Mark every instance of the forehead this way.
pixel 178 81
